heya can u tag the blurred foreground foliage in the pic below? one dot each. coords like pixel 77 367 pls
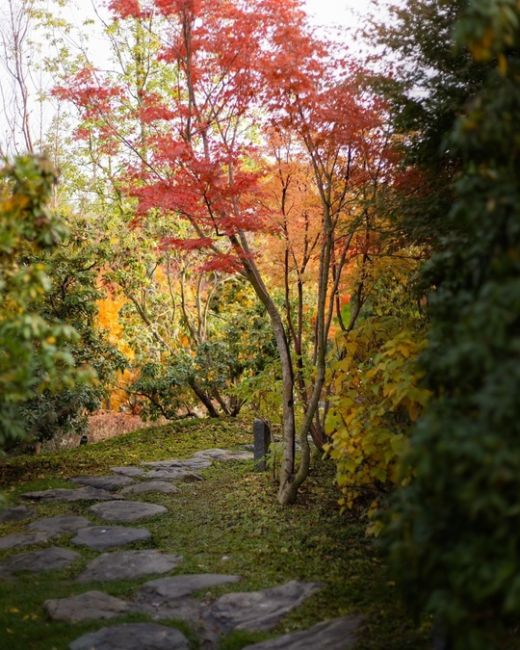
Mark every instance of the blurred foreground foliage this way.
pixel 453 532
pixel 53 362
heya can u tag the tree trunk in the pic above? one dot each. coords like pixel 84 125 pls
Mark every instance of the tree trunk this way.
pixel 286 494
pixel 212 412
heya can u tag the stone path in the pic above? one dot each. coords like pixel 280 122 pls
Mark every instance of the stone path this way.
pixel 161 599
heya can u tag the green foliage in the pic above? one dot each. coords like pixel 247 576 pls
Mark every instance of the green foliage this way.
pixel 217 358
pixel 427 90
pixel 165 386
pixel 35 351
pixel 454 531
pixel 73 268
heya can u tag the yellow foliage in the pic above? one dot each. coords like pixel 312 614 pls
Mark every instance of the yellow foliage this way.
pixel 377 397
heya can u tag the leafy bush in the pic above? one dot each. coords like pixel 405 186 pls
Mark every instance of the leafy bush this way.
pixel 377 392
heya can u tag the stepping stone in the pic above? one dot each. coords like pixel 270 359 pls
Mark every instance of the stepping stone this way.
pixel 224 454
pixel 340 634
pixel 43 531
pixel 165 598
pixel 129 565
pixel 150 486
pixel 16 513
pixel 168 589
pixel 29 538
pixel 85 607
pixel 127 511
pixel 259 610
pixel 59 525
pixel 81 494
pixel 131 471
pixel 189 463
pixel 173 475
pixel 132 636
pixel 50 559
pixel 101 538
pixel 164 463
pixel 104 482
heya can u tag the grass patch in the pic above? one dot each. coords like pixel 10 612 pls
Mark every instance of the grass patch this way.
pixel 229 523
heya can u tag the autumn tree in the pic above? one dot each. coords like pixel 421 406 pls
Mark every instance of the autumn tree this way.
pixel 238 69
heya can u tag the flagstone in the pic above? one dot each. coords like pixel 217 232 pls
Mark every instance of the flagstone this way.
pixel 259 610
pixel 144 487
pixel 339 634
pixel 109 483
pixel 129 565
pixel 85 607
pixel 127 511
pixel 103 537
pixel 86 493
pixel 49 559
pixel 132 636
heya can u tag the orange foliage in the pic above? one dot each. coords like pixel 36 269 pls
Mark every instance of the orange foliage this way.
pixel 108 320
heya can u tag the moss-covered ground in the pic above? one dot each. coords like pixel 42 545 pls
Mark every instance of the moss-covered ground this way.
pixel 229 523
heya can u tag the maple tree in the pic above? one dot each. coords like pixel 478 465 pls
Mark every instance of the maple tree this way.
pixel 197 150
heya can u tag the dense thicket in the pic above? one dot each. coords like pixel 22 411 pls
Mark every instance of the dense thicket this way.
pixel 455 528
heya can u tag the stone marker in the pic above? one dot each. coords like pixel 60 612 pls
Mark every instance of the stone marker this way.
pixel 85 607
pixel 127 511
pixel 50 559
pixel 86 493
pixel 145 487
pixel 340 634
pixel 132 636
pixel 101 537
pixel 129 565
pixel 104 482
pixel 16 513
pixel 26 538
pixel 259 610
pixel 262 441
pixel 59 525
pixel 130 471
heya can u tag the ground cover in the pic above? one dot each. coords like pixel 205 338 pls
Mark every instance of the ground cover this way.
pixel 228 523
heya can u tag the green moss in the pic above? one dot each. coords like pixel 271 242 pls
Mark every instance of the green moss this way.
pixel 228 523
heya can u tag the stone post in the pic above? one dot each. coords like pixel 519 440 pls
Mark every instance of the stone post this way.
pixel 262 440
